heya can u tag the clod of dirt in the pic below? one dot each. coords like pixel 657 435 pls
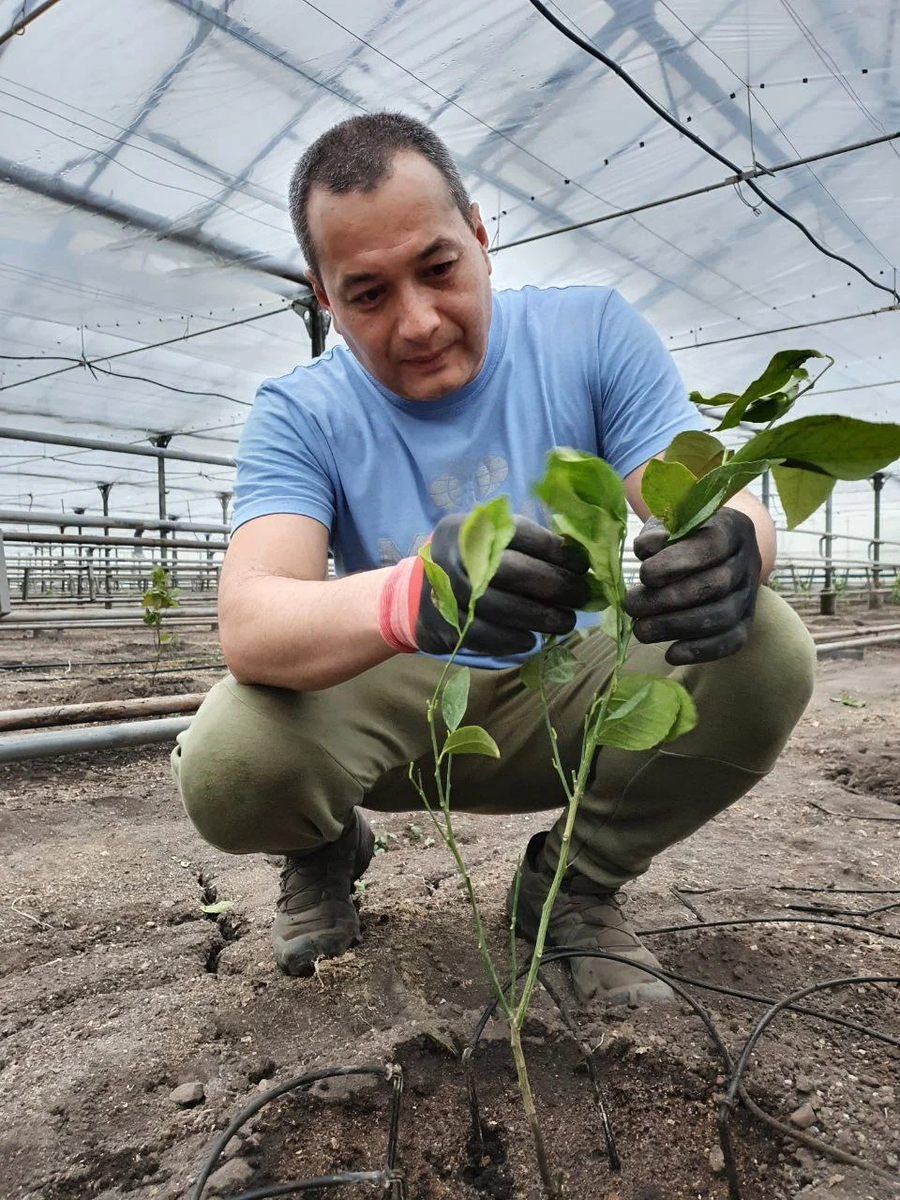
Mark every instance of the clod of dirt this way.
pixel 874 773
pixel 186 1095
pixel 804 1116
pixel 234 1175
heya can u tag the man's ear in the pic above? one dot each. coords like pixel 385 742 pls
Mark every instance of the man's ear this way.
pixel 481 234
pixel 321 296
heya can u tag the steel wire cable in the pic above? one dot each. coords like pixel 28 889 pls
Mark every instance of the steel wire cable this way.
pixel 704 145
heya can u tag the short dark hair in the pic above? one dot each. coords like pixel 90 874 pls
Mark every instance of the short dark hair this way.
pixel 356 156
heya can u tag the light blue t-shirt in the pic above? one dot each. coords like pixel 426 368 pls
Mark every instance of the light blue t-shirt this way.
pixel 573 366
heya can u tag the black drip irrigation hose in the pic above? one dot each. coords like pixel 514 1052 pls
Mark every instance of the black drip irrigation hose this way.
pixel 734 1084
pixel 734 1069
pixel 562 955
pixel 612 1153
pixel 771 921
pixel 391 1179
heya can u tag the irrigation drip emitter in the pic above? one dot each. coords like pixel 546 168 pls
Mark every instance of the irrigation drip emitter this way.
pixel 392 1180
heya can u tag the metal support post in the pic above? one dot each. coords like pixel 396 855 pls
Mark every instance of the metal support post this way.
pixel 224 499
pixel 161 441
pixel 876 599
pixel 317 321
pixel 5 605
pixel 105 489
pixel 174 572
pixel 827 600
pixel 79 512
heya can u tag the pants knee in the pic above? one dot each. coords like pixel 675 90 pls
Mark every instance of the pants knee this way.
pixel 223 812
pixel 251 784
pixel 784 658
pixel 749 703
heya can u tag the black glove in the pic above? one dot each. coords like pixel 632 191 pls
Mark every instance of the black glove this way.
pixel 537 588
pixel 700 592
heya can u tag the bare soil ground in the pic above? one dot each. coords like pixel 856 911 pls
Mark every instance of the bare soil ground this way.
pixel 117 987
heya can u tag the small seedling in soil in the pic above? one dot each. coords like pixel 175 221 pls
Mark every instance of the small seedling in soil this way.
pixel 849 701
pixel 383 841
pixel 157 600
pixel 414 831
pixel 696 476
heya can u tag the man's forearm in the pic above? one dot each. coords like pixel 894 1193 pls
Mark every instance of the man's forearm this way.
pixel 302 634
pixel 766 538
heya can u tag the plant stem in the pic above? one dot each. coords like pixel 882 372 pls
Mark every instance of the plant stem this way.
pixel 588 746
pixel 551 1188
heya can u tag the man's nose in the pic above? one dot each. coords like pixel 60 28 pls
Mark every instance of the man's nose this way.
pixel 418 319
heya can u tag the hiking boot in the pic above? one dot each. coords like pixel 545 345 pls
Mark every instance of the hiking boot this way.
pixel 315 915
pixel 585 917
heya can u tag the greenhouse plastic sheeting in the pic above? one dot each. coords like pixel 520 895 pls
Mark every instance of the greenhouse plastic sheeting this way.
pixel 130 129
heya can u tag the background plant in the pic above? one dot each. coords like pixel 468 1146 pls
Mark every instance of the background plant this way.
pixel 159 598
pixel 697 475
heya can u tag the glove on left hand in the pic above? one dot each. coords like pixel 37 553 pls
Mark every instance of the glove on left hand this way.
pixel 698 593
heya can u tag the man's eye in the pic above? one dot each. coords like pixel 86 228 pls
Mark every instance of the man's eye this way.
pixel 368 297
pixel 442 268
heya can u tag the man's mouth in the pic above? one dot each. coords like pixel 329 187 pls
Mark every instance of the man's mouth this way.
pixel 428 360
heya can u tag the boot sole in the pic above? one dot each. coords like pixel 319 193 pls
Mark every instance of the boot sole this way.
pixel 298 956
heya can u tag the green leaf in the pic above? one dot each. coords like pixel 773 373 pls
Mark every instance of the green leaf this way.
pixel 718 401
pixel 771 395
pixel 455 698
pixel 554 665
pixel 220 906
pixel 470 739
pixel 597 600
pixel 587 500
pixel 609 623
pixel 708 495
pixel 644 711
pixel 560 665
pixel 846 699
pixel 664 486
pixel 697 451
pixel 483 536
pixel 442 591
pixel 530 672
pixel 801 492
pixel 843 447
pixel 687 712
pixel 572 473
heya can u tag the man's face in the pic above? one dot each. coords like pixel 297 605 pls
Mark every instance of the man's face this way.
pixel 406 279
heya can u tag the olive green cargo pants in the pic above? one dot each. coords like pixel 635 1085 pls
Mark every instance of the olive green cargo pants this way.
pixel 263 769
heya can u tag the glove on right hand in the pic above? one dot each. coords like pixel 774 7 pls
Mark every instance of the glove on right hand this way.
pixel 537 588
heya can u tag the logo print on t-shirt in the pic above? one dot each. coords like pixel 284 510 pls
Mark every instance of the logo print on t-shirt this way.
pixel 468 482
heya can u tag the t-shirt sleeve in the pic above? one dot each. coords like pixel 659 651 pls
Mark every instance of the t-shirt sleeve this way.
pixel 643 403
pixel 282 462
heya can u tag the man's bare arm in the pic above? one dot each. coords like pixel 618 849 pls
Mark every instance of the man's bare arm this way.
pixel 282 622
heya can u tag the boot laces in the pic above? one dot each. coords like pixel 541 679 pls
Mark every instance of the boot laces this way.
pixel 300 883
pixel 602 910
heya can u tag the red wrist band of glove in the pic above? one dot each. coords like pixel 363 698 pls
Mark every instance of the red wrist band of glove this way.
pixel 398 605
